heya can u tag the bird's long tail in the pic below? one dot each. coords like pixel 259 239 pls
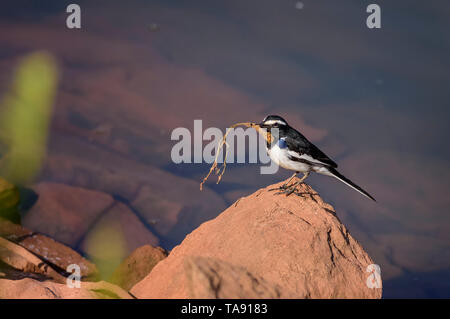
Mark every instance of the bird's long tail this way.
pixel 342 178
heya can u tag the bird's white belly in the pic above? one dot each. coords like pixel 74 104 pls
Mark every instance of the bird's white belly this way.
pixel 281 158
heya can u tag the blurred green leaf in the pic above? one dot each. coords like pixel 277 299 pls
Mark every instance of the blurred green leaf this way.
pixel 25 116
pixel 9 201
pixel 106 247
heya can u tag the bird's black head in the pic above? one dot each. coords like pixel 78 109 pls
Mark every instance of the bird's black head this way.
pixel 273 121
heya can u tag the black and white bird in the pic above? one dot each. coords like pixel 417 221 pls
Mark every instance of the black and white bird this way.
pixel 289 149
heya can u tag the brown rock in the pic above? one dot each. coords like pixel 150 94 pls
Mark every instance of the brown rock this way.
pixel 58 254
pixel 13 256
pixel 294 242
pixel 12 231
pixel 89 221
pixel 128 226
pixel 209 278
pixel 28 288
pixel 47 249
pixel 25 275
pixel 138 265
pixel 161 213
pixel 64 212
pixel 171 211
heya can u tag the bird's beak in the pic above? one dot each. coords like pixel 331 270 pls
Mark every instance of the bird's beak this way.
pixel 261 128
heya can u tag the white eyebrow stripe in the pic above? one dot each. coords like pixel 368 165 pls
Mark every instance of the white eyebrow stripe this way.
pixel 271 122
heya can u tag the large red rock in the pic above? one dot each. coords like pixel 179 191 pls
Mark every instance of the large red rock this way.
pixel 209 278
pixel 296 243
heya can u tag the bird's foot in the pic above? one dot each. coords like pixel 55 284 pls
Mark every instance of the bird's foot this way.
pixel 280 188
pixel 292 189
pixel 288 190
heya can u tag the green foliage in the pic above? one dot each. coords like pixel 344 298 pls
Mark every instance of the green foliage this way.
pixel 9 201
pixel 106 247
pixel 25 116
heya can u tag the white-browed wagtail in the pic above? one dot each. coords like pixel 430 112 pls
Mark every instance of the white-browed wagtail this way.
pixel 292 151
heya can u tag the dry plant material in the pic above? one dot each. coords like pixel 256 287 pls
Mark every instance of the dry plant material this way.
pixel 214 167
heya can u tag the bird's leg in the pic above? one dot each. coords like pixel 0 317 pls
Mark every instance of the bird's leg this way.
pixel 284 186
pixel 288 191
pixel 305 175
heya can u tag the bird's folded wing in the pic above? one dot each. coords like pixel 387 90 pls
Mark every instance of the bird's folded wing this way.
pixel 297 143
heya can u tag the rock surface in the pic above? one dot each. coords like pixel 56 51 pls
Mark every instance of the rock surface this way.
pixel 138 265
pixel 58 254
pixel 297 243
pixel 45 248
pixel 15 257
pixel 13 231
pixel 28 288
pixel 65 212
pixel 128 226
pixel 25 275
pixel 71 215
pixel 170 212
pixel 209 278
